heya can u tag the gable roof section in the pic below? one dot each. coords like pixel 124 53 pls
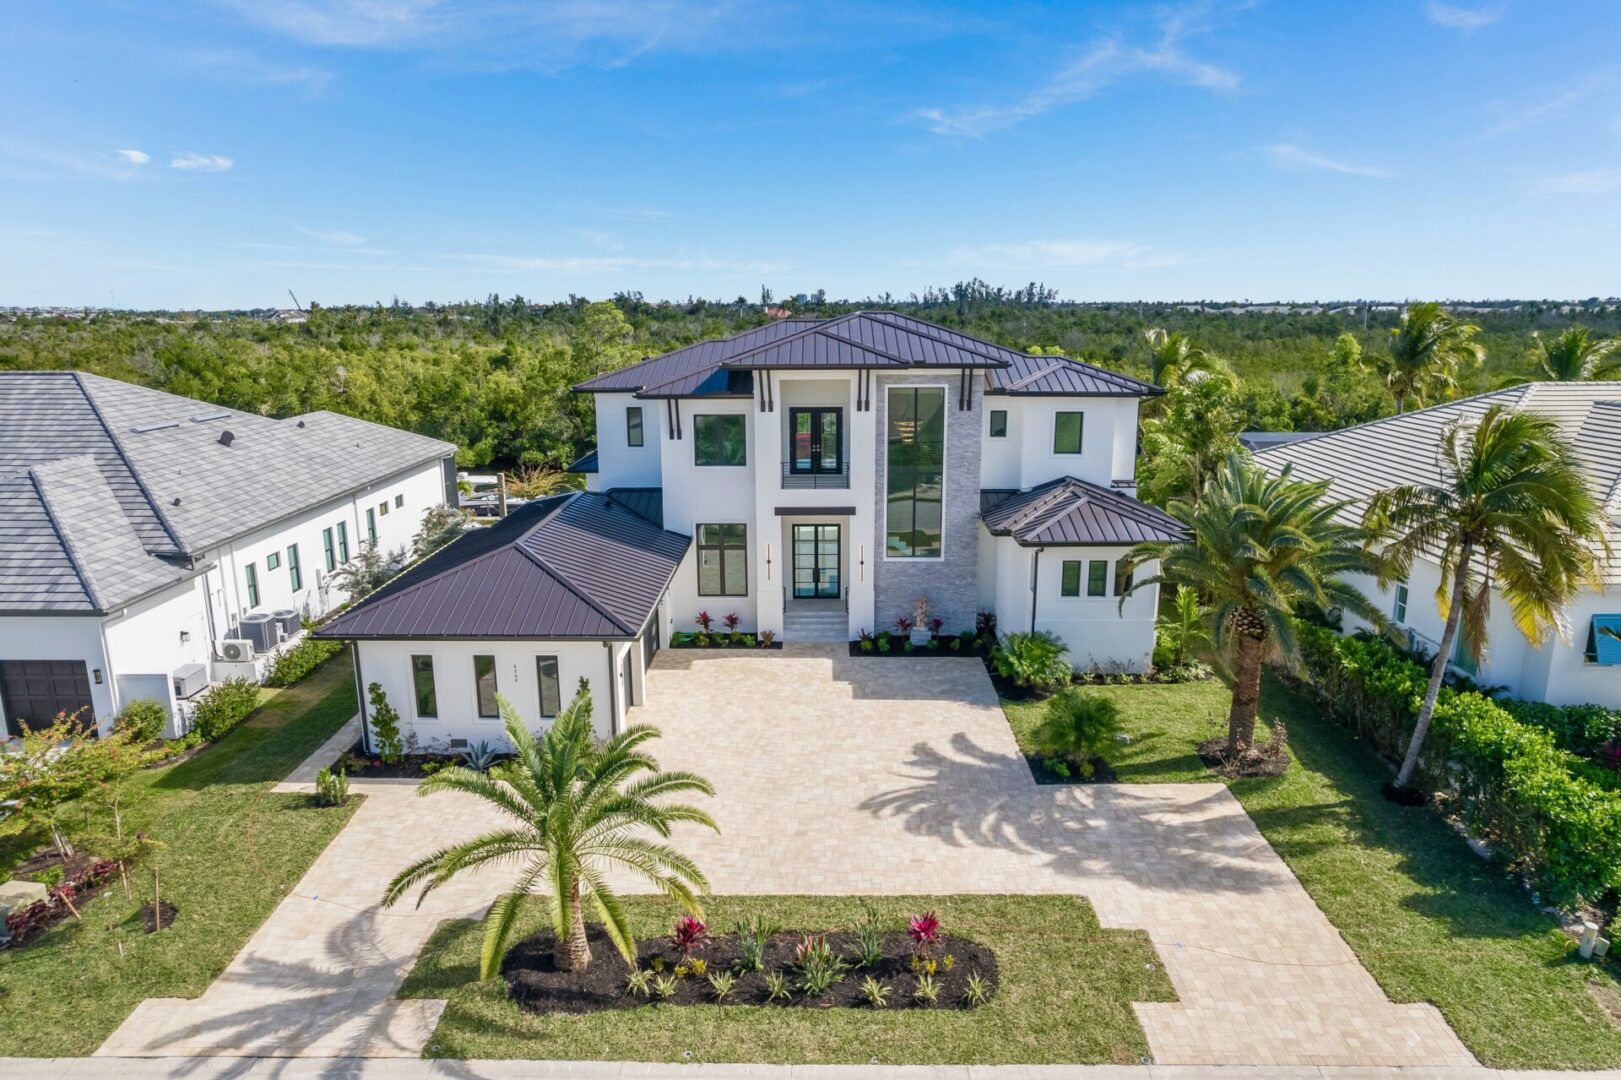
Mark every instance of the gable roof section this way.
pixel 580 565
pixel 1071 512
pixel 1037 376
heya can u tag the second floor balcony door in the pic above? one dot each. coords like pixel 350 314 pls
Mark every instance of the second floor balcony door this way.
pixel 817 438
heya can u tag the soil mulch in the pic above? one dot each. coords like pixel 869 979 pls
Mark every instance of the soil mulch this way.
pixel 1261 761
pixel 1042 773
pixel 536 985
pixel 358 763
pixel 756 647
pixel 47 857
pixel 897 648
pixel 169 912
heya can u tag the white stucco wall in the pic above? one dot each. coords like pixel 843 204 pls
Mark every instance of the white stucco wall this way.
pixel 712 495
pixel 1025 458
pixel 618 463
pixel 144 643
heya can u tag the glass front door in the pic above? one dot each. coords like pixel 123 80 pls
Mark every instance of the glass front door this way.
pixel 816 562
pixel 816 440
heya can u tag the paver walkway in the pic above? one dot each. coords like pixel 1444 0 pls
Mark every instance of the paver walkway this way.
pixel 836 776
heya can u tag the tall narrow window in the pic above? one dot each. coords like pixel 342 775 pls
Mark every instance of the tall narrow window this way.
pixel 1122 578
pixel 723 567
pixel 1097 577
pixel 720 440
pixel 371 525
pixel 343 541
pixel 915 429
pixel 633 425
pixel 295 572
pixel 1067 432
pixel 551 690
pixel 329 550
pixel 1398 611
pixel 484 683
pixel 251 575
pixel 998 423
pixel 427 694
pixel 1071 583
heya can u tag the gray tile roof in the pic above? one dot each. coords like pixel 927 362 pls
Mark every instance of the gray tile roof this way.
pixel 1068 511
pixel 166 479
pixel 862 339
pixel 1404 449
pixel 581 565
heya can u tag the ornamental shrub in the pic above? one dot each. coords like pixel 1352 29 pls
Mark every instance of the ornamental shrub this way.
pixel 142 720
pixel 1581 729
pixel 223 706
pixel 1037 660
pixel 296 663
pixel 385 726
pixel 1078 729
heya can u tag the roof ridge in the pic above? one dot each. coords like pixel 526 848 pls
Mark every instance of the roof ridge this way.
pixel 942 341
pixel 123 455
pixel 1028 379
pixel 562 578
pixel 813 328
pixel 1514 392
pixel 702 341
pixel 68 543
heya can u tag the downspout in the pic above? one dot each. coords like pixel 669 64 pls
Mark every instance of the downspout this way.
pixel 1035 579
pixel 613 691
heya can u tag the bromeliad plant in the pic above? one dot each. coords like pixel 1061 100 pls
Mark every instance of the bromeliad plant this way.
pixel 924 930
pixel 689 935
pixel 577 807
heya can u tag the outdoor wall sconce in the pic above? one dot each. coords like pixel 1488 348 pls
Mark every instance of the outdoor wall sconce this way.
pixel 861 558
pixel 185 636
pixel 768 562
pixel 97 674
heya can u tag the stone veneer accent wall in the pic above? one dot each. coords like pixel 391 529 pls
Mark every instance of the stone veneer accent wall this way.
pixel 951 582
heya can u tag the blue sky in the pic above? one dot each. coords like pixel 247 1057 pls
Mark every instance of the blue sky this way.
pixel 215 154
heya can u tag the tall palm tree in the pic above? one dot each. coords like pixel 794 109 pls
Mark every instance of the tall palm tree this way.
pixel 1426 351
pixel 1262 548
pixel 576 806
pixel 1173 357
pixel 1512 511
pixel 1575 354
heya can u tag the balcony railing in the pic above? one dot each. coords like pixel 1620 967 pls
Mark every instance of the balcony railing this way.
pixel 804 481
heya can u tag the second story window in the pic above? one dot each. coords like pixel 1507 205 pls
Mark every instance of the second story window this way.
pixel 915 431
pixel 1067 432
pixel 720 440
pixel 633 426
pixel 1398 612
pixel 998 423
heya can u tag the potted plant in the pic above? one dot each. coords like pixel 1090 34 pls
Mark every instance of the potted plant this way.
pixel 922 614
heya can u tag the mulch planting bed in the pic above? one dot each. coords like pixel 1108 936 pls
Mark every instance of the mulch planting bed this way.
pixel 169 912
pixel 1042 773
pixel 1262 761
pixel 357 763
pixel 723 646
pixel 534 982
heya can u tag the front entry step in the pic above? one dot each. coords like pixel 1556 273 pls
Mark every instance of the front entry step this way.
pixel 815 626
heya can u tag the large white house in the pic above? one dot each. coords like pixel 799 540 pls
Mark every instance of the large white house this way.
pixel 813 477
pixel 1406 450
pixel 151 544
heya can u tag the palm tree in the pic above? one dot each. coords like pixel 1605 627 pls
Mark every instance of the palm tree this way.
pixel 1425 352
pixel 576 806
pixel 1512 511
pixel 1574 355
pixel 1261 549
pixel 1172 357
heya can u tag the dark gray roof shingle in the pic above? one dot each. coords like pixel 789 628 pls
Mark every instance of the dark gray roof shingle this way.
pixel 1068 511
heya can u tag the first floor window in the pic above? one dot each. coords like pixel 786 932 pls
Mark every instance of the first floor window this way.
pixel 343 541
pixel 998 423
pixel 1071 585
pixel 1097 577
pixel 633 425
pixel 915 449
pixel 484 682
pixel 720 440
pixel 1122 578
pixel 295 573
pixel 1399 610
pixel 1067 432
pixel 551 690
pixel 251 575
pixel 371 525
pixel 328 550
pixel 422 682
pixel 723 568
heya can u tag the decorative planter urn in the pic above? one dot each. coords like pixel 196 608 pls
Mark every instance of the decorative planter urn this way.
pixel 920 636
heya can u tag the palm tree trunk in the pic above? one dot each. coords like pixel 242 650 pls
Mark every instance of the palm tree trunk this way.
pixel 1246 693
pixel 573 953
pixel 1438 670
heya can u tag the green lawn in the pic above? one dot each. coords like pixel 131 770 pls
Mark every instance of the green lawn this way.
pixel 233 851
pixel 1429 919
pixel 1066 992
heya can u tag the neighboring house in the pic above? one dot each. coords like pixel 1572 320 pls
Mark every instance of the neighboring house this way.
pixel 1266 440
pixel 1405 450
pixel 138 529
pixel 821 475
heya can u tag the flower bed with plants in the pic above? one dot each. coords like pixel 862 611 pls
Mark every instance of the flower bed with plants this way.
pixel 887 644
pixel 82 880
pixel 725 636
pixel 868 967
pixel 396 755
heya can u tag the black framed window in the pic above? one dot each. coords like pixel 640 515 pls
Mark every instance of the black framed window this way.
pixel 427 694
pixel 250 575
pixel 1071 583
pixel 295 572
pixel 343 541
pixel 329 550
pixel 723 560
pixel 484 684
pixel 720 440
pixel 551 689
pixel 1097 577
pixel 1067 432
pixel 1122 579
pixel 915 431
pixel 998 423
pixel 633 426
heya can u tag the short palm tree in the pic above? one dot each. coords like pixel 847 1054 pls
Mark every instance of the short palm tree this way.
pixel 1172 357
pixel 1262 549
pixel 576 806
pixel 1426 351
pixel 1574 355
pixel 1511 505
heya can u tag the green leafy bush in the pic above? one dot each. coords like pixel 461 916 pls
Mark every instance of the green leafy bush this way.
pixel 331 788
pixel 1078 729
pixel 142 719
pixel 385 726
pixel 1038 660
pixel 223 706
pixel 294 664
pixel 1581 729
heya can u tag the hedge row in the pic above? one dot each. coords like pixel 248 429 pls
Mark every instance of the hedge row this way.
pixel 223 706
pixel 1556 816
pixel 293 665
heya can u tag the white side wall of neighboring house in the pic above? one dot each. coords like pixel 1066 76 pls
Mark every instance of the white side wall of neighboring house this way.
pixel 61 637
pixel 151 639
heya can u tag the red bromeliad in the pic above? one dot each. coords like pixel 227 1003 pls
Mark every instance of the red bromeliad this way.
pixel 705 621
pixel 924 930
pixel 732 620
pixel 689 934
pixel 903 625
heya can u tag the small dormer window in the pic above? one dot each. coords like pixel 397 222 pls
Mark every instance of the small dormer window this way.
pixel 633 426
pixel 998 423
pixel 1067 427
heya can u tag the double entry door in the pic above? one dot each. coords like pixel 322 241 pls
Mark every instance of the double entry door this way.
pixel 816 562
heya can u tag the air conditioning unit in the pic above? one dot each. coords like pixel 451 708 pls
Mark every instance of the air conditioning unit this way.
pixel 236 649
pixel 262 629
pixel 289 620
pixel 189 680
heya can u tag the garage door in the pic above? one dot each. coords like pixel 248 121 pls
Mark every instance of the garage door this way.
pixel 36 690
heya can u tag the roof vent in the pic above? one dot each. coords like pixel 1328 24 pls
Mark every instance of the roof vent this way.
pixel 176 501
pixel 301 423
pixel 203 418
pixel 142 429
pixel 226 438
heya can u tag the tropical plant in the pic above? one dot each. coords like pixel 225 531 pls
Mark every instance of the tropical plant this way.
pixel 1194 427
pixel 1183 629
pixel 331 787
pixel 1036 660
pixel 537 481
pixel 869 944
pixel 978 991
pixel 776 986
pixel 665 986
pixel 927 990
pixel 689 935
pixel 705 621
pixel 1260 548
pixel 753 934
pixel 639 983
pixel 577 807
pixel 1173 358
pixel 483 757
pixel 1079 728
pixel 818 967
pixel 924 930
pixel 385 726
pixel 876 993
pixel 721 984
pixel 1574 354
pixel 903 625
pixel 1510 497
pixel 1426 351
pixel 767 637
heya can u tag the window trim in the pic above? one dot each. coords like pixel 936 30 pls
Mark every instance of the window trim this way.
pixel 744 417
pixel 700 547
pixel 640 440
pixel 540 686
pixel 295 569
pixel 1081 434
pixel 990 422
pixel 382 508
pixel 250 576
pixel 416 688
pixel 1097 574
pixel 945 457
pixel 273 561
pixel 495 689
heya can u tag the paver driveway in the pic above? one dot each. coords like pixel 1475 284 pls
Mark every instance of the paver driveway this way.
pixel 836 776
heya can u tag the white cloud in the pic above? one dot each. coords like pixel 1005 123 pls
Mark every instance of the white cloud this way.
pixel 1294 156
pixel 134 157
pixel 1455 17
pixel 337 237
pixel 1515 115
pixel 1100 65
pixel 192 161
pixel 1055 254
pixel 1582 182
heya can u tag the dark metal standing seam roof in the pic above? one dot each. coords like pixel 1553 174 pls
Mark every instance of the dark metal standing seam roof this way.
pixel 1058 375
pixel 579 565
pixel 1068 511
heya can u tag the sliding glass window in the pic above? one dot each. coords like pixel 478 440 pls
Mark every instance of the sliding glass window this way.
pixel 916 434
